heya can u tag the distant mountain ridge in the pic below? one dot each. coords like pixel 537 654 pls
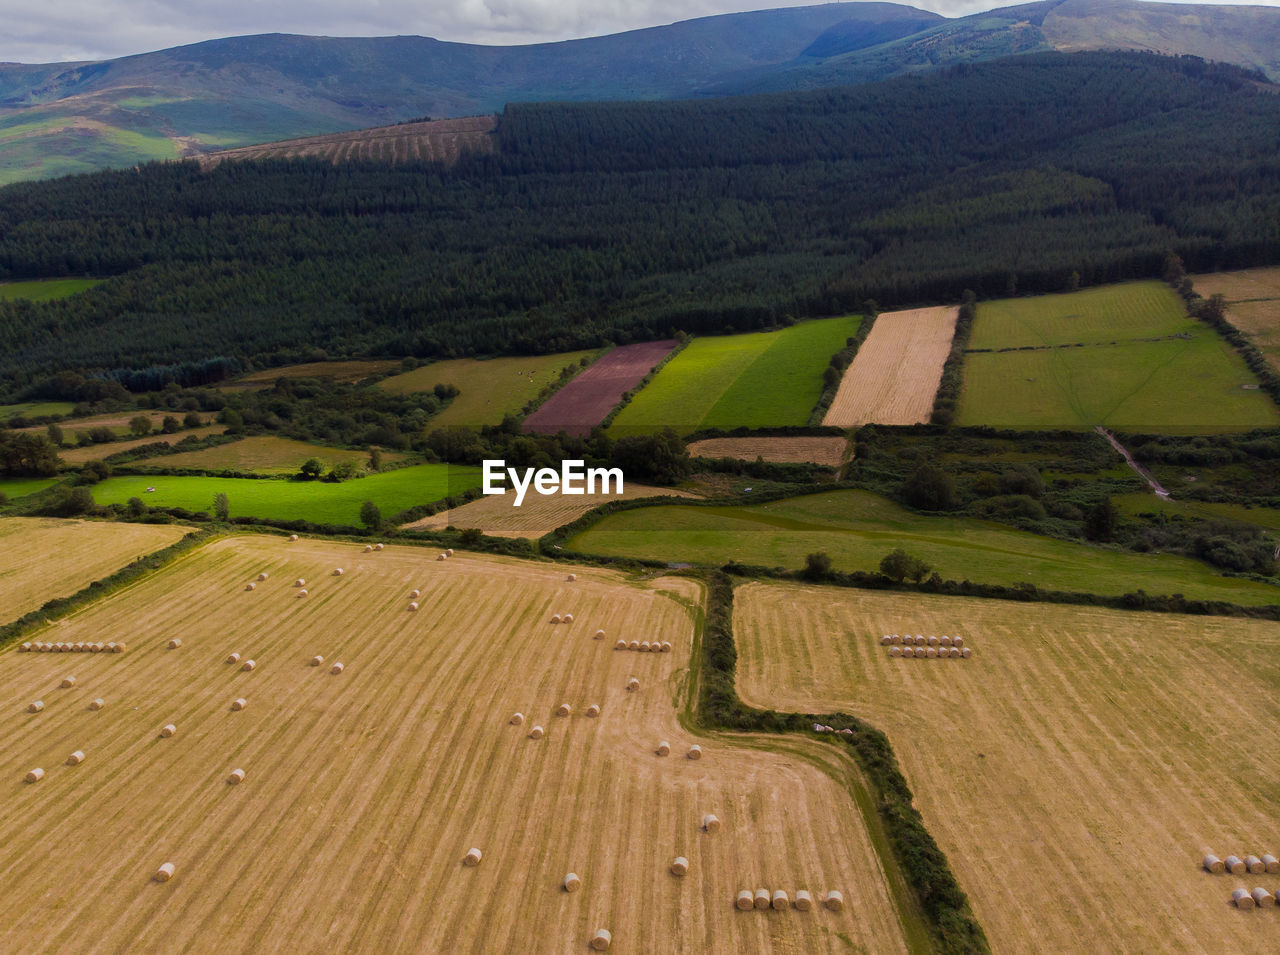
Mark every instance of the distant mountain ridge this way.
pixel 71 117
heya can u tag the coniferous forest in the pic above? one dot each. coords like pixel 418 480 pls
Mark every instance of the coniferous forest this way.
pixel 630 221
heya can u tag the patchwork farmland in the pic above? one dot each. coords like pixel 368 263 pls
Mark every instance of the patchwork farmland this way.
pixel 364 790
pixel 1125 356
pixel 441 140
pixel 587 400
pixel 763 379
pixel 895 375
pixel 42 558
pixel 1075 769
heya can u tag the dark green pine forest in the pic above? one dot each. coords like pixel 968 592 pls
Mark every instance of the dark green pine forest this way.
pixel 629 221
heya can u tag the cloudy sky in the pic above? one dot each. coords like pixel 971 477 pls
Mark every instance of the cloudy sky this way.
pixel 100 29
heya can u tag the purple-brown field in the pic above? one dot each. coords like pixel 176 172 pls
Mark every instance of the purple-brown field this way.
pixel 585 402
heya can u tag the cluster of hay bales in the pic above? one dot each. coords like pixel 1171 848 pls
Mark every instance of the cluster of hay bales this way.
pixel 931 652
pixel 40 646
pixel 643 646
pixel 920 640
pixel 822 728
pixel 1259 897
pixel 1254 864
pixel 779 901
pixel 562 618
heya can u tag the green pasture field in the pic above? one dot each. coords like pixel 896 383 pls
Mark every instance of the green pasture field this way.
pixel 344 371
pixel 762 379
pixel 46 290
pixel 1131 505
pixel 14 488
pixel 278 499
pixel 488 390
pixel 1124 356
pixel 858 528
pixel 269 455
pixel 35 409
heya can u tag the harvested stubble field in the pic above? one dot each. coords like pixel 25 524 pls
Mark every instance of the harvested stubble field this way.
pixel 763 379
pixel 96 452
pixel 587 400
pixel 825 451
pixel 895 375
pixel 497 515
pixel 343 371
pixel 117 421
pixel 1074 770
pixel 441 140
pixel 42 558
pixel 364 790
pixel 268 454
pixel 489 389
pixel 1125 356
pixel 1253 304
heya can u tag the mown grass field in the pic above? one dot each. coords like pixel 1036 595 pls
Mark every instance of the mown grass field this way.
pixel 489 390
pixel 42 558
pixel 14 488
pixel 45 290
pixel 1074 770
pixel 96 452
pixel 364 790
pixel 761 379
pixel 284 500
pixel 268 454
pixel 35 409
pixel 1124 356
pixel 858 528
pixel 1134 504
pixel 1253 304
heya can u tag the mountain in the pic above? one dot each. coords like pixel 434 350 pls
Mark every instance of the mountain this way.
pixel 72 117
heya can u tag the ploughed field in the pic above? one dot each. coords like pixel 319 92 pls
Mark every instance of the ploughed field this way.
pixel 42 557
pixel 586 401
pixel 441 140
pixel 1125 356
pixel 363 791
pixel 1075 770
pixel 895 375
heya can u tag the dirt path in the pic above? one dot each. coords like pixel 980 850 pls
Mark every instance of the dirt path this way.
pixel 1143 472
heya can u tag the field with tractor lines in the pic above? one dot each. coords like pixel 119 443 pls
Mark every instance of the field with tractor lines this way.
pixel 364 790
pixel 762 379
pixel 1075 770
pixel 1253 304
pixel 42 557
pixel 441 140
pixel 895 375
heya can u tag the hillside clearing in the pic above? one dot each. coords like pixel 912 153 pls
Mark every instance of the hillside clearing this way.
pixel 270 455
pixel 1079 754
pixel 363 791
pixel 342 371
pixel 42 558
pixel 896 372
pixel 1253 304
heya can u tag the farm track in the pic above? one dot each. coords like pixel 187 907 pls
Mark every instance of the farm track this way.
pixel 1074 771
pixel 365 789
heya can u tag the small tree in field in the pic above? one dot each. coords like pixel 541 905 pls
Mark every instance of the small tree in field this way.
pixel 899 565
pixel 817 566
pixel 140 425
pixel 221 506
pixel 371 515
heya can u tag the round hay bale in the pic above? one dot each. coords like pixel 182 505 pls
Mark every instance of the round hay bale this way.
pixel 599 634
pixel 165 872
pixel 895 639
pixel 933 641
pixel 35 775
pixel 633 645
pixel 966 652
pixel 263 575
pixel 24 648
pixel 954 653
pixel 97 704
pixel 804 901
pixel 440 557
pixel 536 732
pixel 233 658
pixel 931 652
pixel 337 571
pixel 666 646
pixel 834 901
pixel 957 641
pixel 175 643
pixel 79 647
pixel 762 899
pixel 413 605
pixel 1213 864
pixel 367 548
pixel 695 752
pixel 472 857
pixel 239 703
pixel 886 640
pixel 601 941
pixel 620 645
pixel 36 706
pixel 293 537
pixel 710 823
pixel 1271 863
pixel 336 669
pixel 1255 865
pixel 680 866
pixel 251 586
pixel 944 640
pixel 745 902
pixel 449 552
pixel 644 646
pixel 317 660
pixel 248 665
pixel 846 731
pixel 921 641
pixel 95 647
pixel 302 593
pixel 300 582
pixel 568 618
pixel 236 777
pixel 377 547
pixel 818 728
pixel 121 647
pixel 1235 865
pixel 572 883
pixel 555 618
pixel 1262 898
pixel 908 652
pixel 781 901
pixel 632 685
pixel 664 748
pixel 895 651
pixel 67 682
pixel 564 709
pixel 593 710
pixel 76 758
pixel 1242 898
pixel 415 593
pixel 572 577
pixel 517 719
pixel 168 730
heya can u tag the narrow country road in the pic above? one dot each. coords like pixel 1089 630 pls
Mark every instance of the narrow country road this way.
pixel 1143 472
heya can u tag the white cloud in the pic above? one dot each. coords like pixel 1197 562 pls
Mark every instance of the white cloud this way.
pixel 101 29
